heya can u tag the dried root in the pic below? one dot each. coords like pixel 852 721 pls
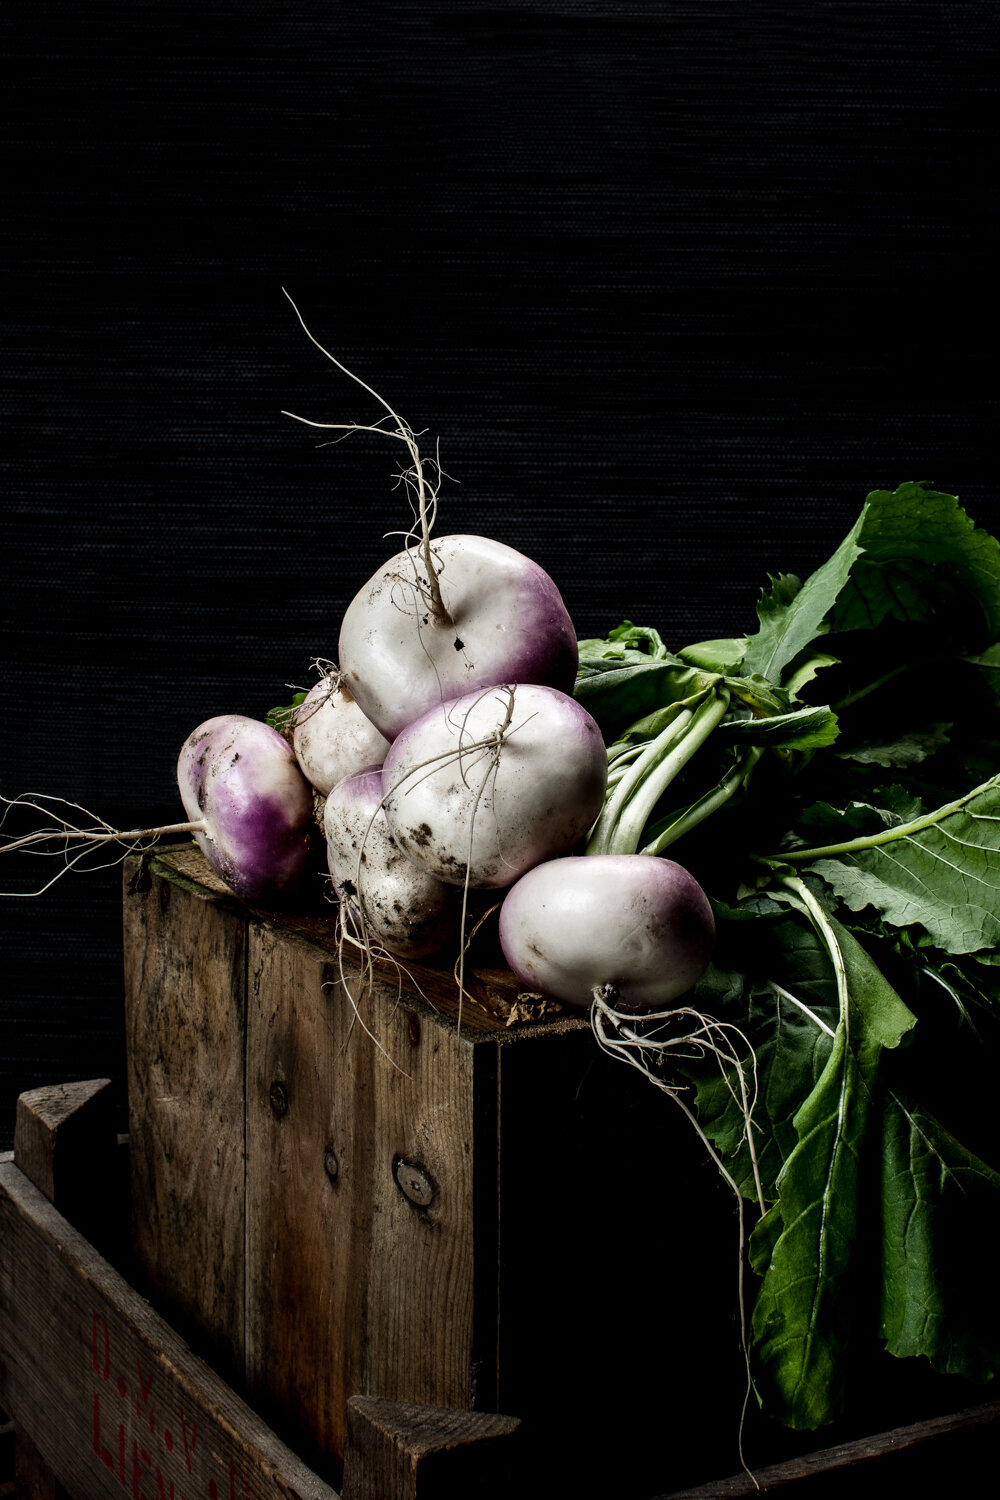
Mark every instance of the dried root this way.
pixel 70 834
pixel 648 1041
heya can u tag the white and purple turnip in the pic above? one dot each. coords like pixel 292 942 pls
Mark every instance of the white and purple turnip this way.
pixel 331 737
pixel 479 789
pixel 400 906
pixel 481 613
pixel 250 806
pixel 634 928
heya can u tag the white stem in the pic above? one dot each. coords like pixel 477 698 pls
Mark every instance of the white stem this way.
pixel 816 1020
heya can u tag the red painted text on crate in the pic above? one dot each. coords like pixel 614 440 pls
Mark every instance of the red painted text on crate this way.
pixel 154 1455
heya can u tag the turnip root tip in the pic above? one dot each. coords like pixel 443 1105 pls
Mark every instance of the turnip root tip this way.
pixel 64 836
pixel 647 1044
pixel 423 489
pixel 445 617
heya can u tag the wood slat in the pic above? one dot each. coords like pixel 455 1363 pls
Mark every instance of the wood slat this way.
pixel 361 1264
pixel 415 1452
pixel 114 1401
pixel 928 1449
pixel 57 1131
pixel 185 1013
pixel 310 1260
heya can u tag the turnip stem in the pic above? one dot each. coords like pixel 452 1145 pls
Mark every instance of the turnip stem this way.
pixel 719 795
pixel 888 835
pixel 620 826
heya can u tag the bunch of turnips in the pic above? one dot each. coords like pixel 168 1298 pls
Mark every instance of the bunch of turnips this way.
pixel 829 1023
pixel 453 759
pixel 447 757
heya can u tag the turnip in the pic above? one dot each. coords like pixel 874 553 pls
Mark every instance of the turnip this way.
pixel 629 935
pixel 241 779
pixel 330 735
pixel 632 925
pixel 399 905
pixel 249 807
pixel 500 619
pixel 444 617
pixel 480 789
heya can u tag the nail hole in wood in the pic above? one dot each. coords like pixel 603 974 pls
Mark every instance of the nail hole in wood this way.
pixel 415 1182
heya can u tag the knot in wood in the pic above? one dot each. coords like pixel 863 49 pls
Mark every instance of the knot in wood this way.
pixel 331 1166
pixel 278 1097
pixel 415 1182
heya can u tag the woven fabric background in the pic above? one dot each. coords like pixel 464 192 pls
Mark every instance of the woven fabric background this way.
pixel 675 284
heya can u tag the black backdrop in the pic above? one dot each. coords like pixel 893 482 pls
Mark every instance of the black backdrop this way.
pixel 676 284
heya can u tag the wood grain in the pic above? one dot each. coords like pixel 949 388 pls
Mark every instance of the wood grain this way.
pixel 361 1232
pixel 360 1180
pixel 431 1209
pixel 65 1143
pixel 185 1007
pixel 415 1452
pixel 924 1458
pixel 114 1401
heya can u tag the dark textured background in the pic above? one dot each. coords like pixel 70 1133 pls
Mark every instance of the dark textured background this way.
pixel 675 284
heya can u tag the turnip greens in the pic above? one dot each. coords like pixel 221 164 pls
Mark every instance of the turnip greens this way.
pixel 833 780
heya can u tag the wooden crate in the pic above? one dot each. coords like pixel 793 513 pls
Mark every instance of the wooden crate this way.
pixel 108 1400
pixel 470 1215
pixel 380 1248
pixel 465 1213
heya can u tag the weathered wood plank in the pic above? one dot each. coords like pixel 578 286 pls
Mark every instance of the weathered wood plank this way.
pixel 324 1278
pixel 185 1011
pixel 58 1130
pixel 113 1399
pixel 65 1143
pixel 415 1452
pixel 492 993
pixel 361 1266
pixel 34 1479
pixel 918 1447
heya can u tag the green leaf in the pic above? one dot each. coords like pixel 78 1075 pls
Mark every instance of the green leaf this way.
pixel 794 614
pixel 906 749
pixel 939 1268
pixel 617 682
pixel 788 1008
pixel 804 668
pixel 283 718
pixel 802 1320
pixel 639 638
pixel 805 729
pixel 913 556
pixel 940 871
pixel 924 561
pixel 724 655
